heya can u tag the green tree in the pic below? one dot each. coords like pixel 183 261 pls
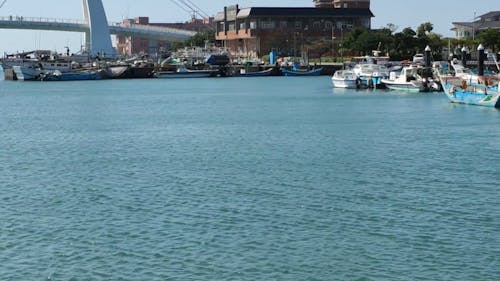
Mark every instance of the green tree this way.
pixel 201 37
pixel 405 44
pixel 424 29
pixel 490 38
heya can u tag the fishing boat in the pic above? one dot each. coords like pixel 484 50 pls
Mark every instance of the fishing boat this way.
pixel 183 72
pixel 370 72
pixel 345 79
pixel 408 80
pixel 75 75
pixel 313 72
pixel 266 72
pixel 485 93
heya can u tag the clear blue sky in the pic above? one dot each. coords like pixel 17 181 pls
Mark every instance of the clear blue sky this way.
pixel 402 13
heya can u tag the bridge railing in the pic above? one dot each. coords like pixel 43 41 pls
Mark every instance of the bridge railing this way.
pixel 155 28
pixel 40 19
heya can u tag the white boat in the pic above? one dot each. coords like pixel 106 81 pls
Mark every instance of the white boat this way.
pixel 183 72
pixel 408 80
pixel 370 74
pixel 345 79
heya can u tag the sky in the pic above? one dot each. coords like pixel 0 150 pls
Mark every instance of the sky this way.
pixel 402 13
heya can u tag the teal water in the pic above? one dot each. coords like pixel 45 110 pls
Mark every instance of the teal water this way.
pixel 245 179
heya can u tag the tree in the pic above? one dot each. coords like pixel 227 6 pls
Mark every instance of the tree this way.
pixel 201 37
pixel 490 38
pixel 392 27
pixel 424 29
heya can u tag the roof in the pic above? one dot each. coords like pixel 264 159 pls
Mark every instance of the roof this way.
pixel 298 12
pixel 303 12
pixel 493 14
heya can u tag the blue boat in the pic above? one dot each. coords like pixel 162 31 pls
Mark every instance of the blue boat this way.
pixel 486 94
pixel 314 72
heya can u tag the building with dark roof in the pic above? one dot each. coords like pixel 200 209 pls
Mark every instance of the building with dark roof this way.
pixel 471 29
pixel 256 31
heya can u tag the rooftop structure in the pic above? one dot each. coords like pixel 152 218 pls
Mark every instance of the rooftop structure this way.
pixel 360 4
pixel 471 29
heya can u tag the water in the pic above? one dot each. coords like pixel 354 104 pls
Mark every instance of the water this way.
pixel 245 179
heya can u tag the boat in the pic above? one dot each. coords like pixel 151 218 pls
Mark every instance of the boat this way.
pixel 266 72
pixel 370 73
pixel 37 61
pixel 484 93
pixel 75 75
pixel 408 80
pixel 128 71
pixel 183 72
pixel 313 72
pixel 345 79
pixel 462 72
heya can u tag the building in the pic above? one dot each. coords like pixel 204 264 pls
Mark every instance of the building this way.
pixel 465 30
pixel 128 45
pixel 365 4
pixel 255 31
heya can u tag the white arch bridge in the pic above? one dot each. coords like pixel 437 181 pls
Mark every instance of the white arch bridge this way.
pixel 146 31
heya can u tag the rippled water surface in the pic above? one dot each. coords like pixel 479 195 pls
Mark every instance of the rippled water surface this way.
pixel 245 179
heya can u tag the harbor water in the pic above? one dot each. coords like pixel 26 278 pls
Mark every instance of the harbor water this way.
pixel 276 178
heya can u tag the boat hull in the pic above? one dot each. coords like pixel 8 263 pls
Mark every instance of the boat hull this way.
pixel 314 72
pixel 490 97
pixel 137 72
pixel 26 73
pixel 267 72
pixel 186 74
pixel 75 76
pixel 405 87
pixel 345 83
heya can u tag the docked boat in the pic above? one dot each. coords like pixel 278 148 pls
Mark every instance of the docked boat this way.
pixel 370 73
pixel 313 72
pixel 464 73
pixel 132 70
pixel 75 75
pixel 183 72
pixel 266 72
pixel 345 79
pixel 485 93
pixel 408 81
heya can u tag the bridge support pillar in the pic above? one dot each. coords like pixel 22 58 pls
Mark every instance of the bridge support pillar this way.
pixel 98 40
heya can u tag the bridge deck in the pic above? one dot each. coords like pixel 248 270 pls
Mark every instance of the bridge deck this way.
pixel 154 32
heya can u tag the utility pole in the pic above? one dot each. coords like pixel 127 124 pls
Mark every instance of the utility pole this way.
pixel 474 27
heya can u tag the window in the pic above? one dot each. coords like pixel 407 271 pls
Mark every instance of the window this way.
pixel 253 25
pixel 243 25
pixel 329 24
pixel 283 24
pixel 267 24
pixel 298 25
pixel 316 25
